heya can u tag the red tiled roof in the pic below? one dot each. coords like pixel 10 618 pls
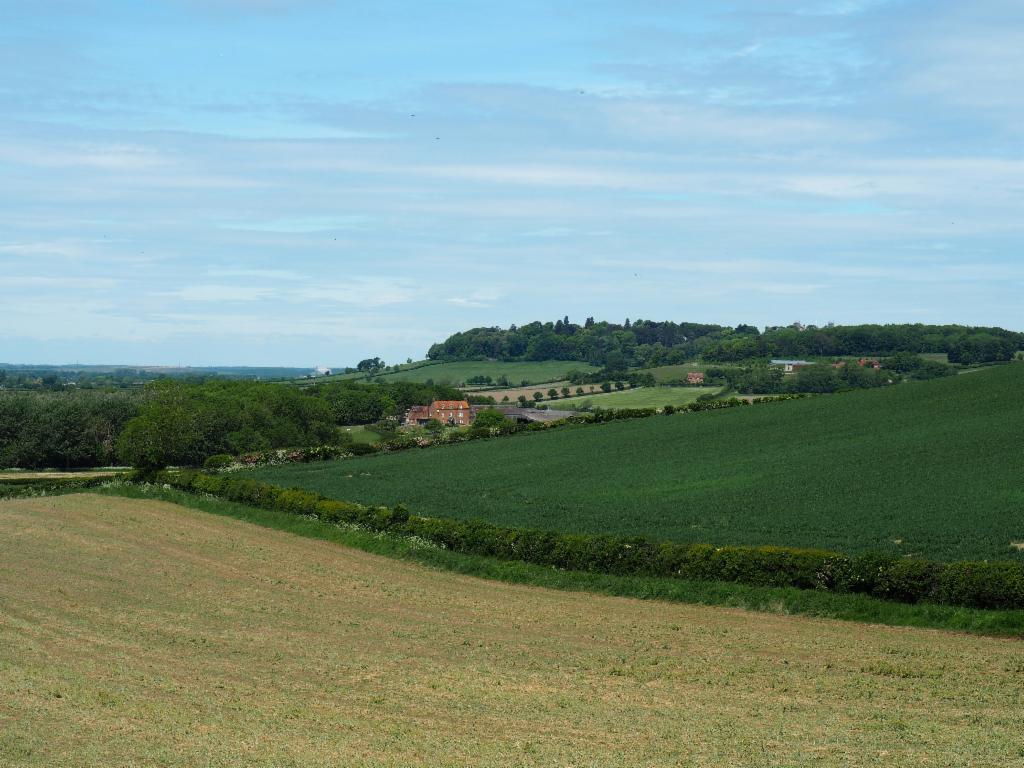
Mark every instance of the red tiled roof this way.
pixel 450 405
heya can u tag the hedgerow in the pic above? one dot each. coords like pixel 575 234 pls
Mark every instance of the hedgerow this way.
pixel 993 585
pixel 18 488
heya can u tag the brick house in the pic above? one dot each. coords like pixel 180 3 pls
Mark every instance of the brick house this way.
pixel 454 412
pixel 457 413
pixel 695 377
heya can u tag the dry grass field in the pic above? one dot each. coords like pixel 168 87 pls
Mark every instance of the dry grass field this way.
pixel 513 393
pixel 20 474
pixel 145 634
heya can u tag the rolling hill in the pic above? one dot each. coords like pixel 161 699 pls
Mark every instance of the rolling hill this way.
pixel 137 632
pixel 457 373
pixel 930 468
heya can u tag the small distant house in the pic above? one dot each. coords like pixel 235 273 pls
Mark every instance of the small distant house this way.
pixel 695 377
pixel 791 366
pixel 321 371
pixel 865 362
pixel 456 413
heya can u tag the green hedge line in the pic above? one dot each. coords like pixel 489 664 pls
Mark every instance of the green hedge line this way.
pixel 17 488
pixel 993 585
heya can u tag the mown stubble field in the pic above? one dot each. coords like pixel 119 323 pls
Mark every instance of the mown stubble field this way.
pixel 142 633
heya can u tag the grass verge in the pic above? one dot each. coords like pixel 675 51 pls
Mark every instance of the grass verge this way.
pixel 785 601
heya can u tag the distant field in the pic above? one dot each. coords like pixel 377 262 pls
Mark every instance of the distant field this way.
pixel 642 397
pixel 403 368
pixel 931 468
pixel 458 373
pixel 360 434
pixel 669 373
pixel 513 393
pixel 201 640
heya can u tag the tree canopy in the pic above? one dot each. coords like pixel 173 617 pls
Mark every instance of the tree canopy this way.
pixel 648 343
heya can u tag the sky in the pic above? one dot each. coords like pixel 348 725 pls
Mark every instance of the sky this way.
pixel 308 182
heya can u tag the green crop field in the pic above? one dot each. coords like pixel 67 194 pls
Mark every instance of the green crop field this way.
pixel 142 633
pixel 642 397
pixel 663 374
pixel 930 468
pixel 457 373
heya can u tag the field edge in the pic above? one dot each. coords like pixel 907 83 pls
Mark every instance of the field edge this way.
pixel 773 600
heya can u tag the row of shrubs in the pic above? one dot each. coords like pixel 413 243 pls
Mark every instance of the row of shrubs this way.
pixel 996 585
pixel 406 442
pixel 285 456
pixel 17 487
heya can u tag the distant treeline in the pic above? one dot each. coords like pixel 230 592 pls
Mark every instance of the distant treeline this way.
pixel 44 378
pixel 63 430
pixel 644 343
pixel 186 424
pixel 647 343
pixel 964 344
pixel 183 423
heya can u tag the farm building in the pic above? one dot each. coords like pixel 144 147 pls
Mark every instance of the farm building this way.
pixel 417 414
pixel 791 366
pixel 526 415
pixel 457 413
pixel 695 377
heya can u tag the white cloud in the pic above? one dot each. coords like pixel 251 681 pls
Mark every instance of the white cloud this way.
pixel 40 282
pixel 784 289
pixel 269 274
pixel 302 224
pixel 51 248
pixel 477 299
pixel 361 292
pixel 220 293
pixel 109 157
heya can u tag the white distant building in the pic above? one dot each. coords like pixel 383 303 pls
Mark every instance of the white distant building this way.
pixel 791 366
pixel 321 371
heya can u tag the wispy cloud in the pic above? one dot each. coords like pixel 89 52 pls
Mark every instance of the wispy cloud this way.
pixel 20 283
pixel 220 293
pixel 302 224
pixel 360 291
pixel 267 274
pixel 477 299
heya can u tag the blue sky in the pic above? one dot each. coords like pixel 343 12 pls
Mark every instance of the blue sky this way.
pixel 298 182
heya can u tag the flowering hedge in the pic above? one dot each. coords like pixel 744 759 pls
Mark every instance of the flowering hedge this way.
pixel 998 585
